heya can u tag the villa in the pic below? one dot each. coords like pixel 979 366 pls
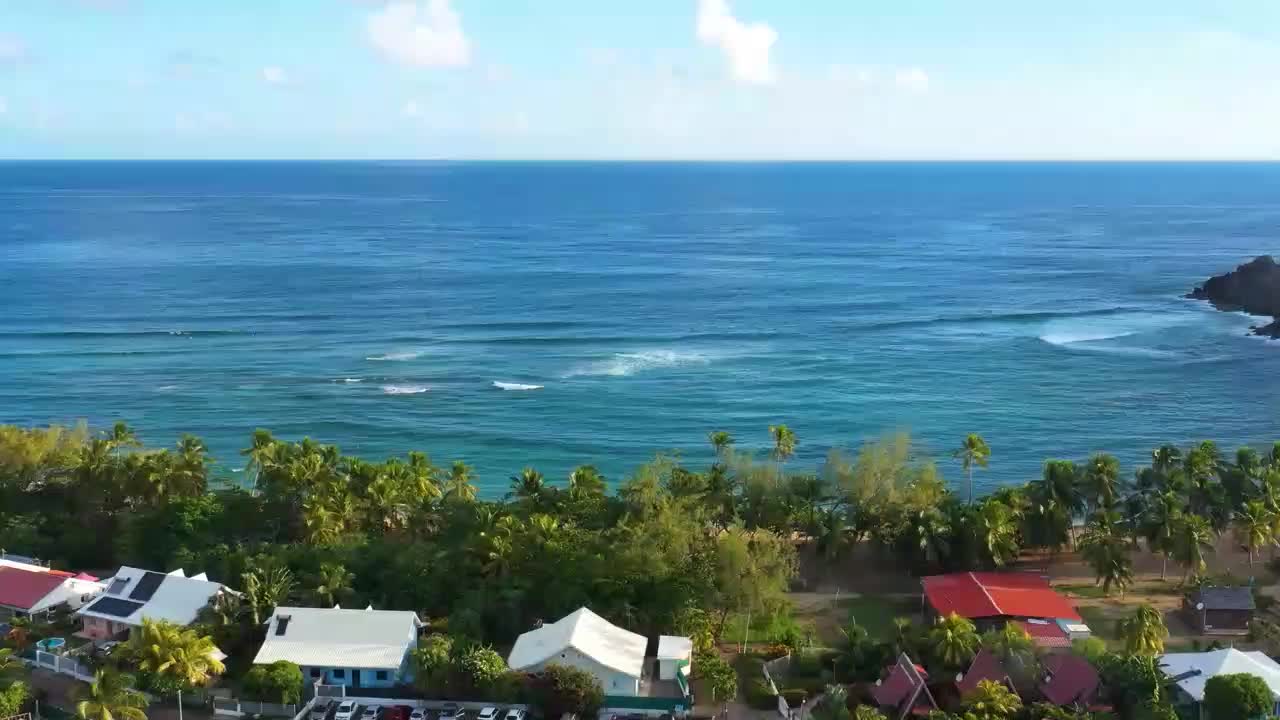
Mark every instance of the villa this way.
pixel 356 648
pixel 588 642
pixel 28 589
pixel 993 599
pixel 134 595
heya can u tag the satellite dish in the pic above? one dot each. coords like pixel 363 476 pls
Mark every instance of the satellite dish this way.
pixel 959 677
pixel 878 683
pixel 1199 606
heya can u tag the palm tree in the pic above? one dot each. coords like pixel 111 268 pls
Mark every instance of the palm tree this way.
pixel 1009 643
pixel 191 467
pixel 1058 499
pixel 1254 524
pixel 586 482
pixel 332 581
pixel 184 656
pixel 263 453
pixel 811 491
pixel 953 640
pixel 1107 552
pixel 528 486
pixel 323 525
pixel 1102 481
pixel 784 442
pixel 11 667
pixel 721 441
pixel 111 697
pixel 1144 632
pixel 996 532
pixel 991 700
pixel 1159 523
pixel 458 487
pixel 1191 539
pixel 122 436
pixel 973 451
pixel 265 589
pixel 1201 465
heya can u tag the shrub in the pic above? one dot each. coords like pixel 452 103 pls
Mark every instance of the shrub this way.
pixel 806 664
pixel 559 689
pixel 759 696
pixel 773 651
pixel 1241 695
pixel 13 698
pixel 279 682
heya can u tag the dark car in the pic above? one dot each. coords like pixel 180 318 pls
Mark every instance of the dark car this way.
pixel 451 711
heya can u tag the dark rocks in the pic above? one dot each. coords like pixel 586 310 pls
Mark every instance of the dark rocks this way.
pixel 1254 288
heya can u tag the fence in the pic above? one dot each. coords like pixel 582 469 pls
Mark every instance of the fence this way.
pixel 659 704
pixel 240 708
pixel 61 664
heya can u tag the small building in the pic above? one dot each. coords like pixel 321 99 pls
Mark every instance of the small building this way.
pixel 27 589
pixel 590 643
pixel 1071 681
pixel 1219 610
pixel 904 690
pixel 985 666
pixel 1190 671
pixel 134 595
pixel 1046 633
pixel 356 648
pixel 675 656
pixel 992 599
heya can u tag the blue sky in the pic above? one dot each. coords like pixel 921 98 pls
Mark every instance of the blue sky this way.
pixel 658 79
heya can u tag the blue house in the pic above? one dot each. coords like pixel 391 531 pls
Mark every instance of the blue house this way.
pixel 357 648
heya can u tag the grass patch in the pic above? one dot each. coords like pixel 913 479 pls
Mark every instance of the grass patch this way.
pixel 876 614
pixel 1100 623
pixel 1084 590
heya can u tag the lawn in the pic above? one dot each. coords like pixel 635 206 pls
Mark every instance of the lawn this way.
pixel 876 613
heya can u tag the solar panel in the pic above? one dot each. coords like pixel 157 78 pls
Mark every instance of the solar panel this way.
pixel 146 587
pixel 114 606
pixel 117 586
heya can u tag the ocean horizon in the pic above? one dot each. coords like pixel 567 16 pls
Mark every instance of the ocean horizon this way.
pixel 514 313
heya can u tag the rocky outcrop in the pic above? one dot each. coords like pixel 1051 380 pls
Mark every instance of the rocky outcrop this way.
pixel 1254 288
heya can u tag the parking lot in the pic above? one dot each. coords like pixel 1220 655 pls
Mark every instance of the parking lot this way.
pixel 398 709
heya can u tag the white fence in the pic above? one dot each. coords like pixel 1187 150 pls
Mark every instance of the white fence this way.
pixel 238 708
pixel 61 664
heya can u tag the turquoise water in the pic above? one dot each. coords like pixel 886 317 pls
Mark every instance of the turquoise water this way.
pixel 556 314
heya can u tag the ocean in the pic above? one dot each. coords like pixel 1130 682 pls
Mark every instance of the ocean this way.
pixel 552 314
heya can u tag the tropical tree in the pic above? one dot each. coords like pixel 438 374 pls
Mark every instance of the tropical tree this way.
pixel 1235 696
pixel 332 582
pixel 784 442
pixel 1254 526
pixel 1012 644
pixel 1159 524
pixel 11 667
pixel 995 532
pixel 952 641
pixel 1101 481
pixel 458 486
pixel 1144 632
pixel 972 452
pixel 1192 538
pixel 266 588
pixel 991 700
pixel 182 656
pixel 834 704
pixel 528 486
pixel 586 482
pixel 721 442
pixel 1107 552
pixel 1057 501
pixel 111 697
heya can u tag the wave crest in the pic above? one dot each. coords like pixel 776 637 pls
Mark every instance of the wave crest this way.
pixel 624 364
pixel 404 389
pixel 394 357
pixel 514 386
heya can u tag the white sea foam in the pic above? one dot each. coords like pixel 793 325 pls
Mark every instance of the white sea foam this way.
pixel 404 389
pixel 1088 332
pixel 167 388
pixel 624 364
pixel 395 356
pixel 351 380
pixel 1068 337
pixel 514 386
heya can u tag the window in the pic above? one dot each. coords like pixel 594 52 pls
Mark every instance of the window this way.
pixel 315 673
pixel 381 675
pixel 339 674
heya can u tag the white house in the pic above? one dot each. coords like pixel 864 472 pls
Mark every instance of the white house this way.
pixel 586 641
pixel 675 656
pixel 357 648
pixel 1190 671
pixel 134 595
pixel 29 589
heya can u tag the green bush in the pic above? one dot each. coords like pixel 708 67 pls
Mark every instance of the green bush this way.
pixel 1232 697
pixel 279 682
pixel 806 664
pixel 759 696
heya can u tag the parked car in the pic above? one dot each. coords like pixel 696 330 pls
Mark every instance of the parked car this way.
pixel 488 713
pixel 394 712
pixel 345 711
pixel 418 714
pixel 514 714
pixel 403 712
pixel 319 710
pixel 371 712
pixel 451 711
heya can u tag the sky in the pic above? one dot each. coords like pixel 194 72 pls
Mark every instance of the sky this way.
pixel 640 79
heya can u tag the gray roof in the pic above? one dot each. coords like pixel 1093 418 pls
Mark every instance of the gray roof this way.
pixel 1224 598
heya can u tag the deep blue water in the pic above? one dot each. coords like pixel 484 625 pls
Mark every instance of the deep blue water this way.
pixel 375 305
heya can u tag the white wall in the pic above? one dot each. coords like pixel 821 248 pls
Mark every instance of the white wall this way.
pixel 612 681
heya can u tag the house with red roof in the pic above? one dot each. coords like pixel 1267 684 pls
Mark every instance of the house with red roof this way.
pixel 1071 681
pixel 992 599
pixel 904 690
pixel 27 589
pixel 985 666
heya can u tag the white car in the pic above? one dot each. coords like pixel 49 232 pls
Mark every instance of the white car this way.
pixel 451 711
pixel 370 712
pixel 489 713
pixel 418 714
pixel 345 711
pixel 514 714
pixel 319 710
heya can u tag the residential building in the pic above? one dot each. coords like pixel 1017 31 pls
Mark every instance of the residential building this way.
pixel 985 666
pixel 675 656
pixel 1071 681
pixel 1219 610
pixel 992 599
pixel 28 589
pixel 134 595
pixel 356 648
pixel 1190 671
pixel 904 690
pixel 584 640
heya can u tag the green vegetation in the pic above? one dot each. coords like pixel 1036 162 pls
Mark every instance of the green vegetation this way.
pixel 14 690
pixel 1232 697
pixel 558 690
pixel 279 682
pixel 1144 633
pixel 111 697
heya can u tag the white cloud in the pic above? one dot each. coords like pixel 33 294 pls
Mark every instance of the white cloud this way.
pixel 913 79
pixel 274 75
pixel 426 35
pixel 745 45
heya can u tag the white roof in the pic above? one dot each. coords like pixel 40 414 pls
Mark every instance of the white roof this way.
pixel 1220 662
pixel 331 637
pixel 589 634
pixel 674 647
pixel 178 599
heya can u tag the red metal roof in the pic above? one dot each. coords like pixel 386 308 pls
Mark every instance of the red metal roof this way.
pixel 22 589
pixel 989 594
pixel 985 666
pixel 1071 680
pixel 1045 634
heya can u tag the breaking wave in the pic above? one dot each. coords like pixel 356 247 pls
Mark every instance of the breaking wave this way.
pixel 404 389
pixel 394 357
pixel 624 364
pixel 514 386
